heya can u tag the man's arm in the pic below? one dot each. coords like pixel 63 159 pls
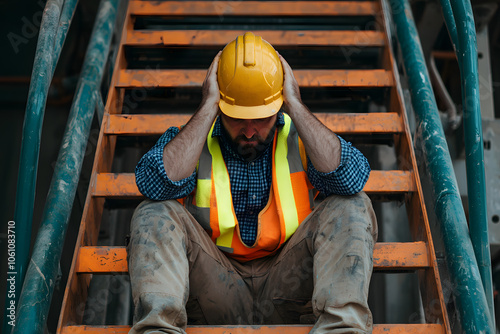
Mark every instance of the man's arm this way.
pixel 151 178
pixel 182 153
pixel 322 145
pixel 167 170
pixel 334 166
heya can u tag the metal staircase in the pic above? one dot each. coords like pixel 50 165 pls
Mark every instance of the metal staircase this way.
pixel 343 61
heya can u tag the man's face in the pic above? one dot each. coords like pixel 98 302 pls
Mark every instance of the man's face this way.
pixel 250 137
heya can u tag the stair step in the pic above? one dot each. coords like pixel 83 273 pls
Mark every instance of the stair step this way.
pixel 147 125
pixel 156 52
pixel 297 329
pixel 122 185
pixel 276 38
pixel 151 78
pixel 254 8
pixel 386 256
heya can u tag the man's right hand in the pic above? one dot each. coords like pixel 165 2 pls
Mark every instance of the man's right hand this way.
pixel 182 153
pixel 210 87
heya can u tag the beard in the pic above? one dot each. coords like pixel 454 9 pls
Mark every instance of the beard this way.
pixel 250 149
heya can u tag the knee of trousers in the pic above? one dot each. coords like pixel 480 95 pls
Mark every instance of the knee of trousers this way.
pixel 154 214
pixel 356 207
pixel 155 221
pixel 158 243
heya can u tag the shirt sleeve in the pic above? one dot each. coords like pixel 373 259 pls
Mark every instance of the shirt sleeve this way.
pixel 151 178
pixel 348 179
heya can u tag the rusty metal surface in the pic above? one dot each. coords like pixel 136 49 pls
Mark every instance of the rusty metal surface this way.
pixel 365 123
pixel 386 256
pixel 306 78
pixel 399 255
pixel 122 185
pixel 377 329
pixel 276 38
pixel 268 8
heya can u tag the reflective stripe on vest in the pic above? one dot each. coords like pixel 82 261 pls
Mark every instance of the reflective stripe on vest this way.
pixel 290 200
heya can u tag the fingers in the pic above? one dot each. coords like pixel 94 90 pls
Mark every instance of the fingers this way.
pixel 284 63
pixel 212 70
pixel 287 70
pixel 291 91
pixel 210 87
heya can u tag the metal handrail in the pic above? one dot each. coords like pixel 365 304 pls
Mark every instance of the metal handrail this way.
pixel 466 279
pixel 53 30
pixel 38 286
pixel 474 155
pixel 451 25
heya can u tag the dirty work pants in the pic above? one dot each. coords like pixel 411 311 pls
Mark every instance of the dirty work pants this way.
pixel 321 275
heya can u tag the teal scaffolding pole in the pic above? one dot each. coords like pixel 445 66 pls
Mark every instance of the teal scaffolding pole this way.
pixel 468 289
pixel 53 30
pixel 38 286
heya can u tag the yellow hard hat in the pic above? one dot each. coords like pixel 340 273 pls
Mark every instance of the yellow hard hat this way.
pixel 250 78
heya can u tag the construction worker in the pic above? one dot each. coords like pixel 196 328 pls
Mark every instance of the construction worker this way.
pixel 246 245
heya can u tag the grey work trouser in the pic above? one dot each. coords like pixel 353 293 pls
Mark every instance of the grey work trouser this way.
pixel 321 275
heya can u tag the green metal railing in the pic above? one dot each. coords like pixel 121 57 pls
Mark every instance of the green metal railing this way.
pixel 469 293
pixel 465 48
pixel 53 30
pixel 476 180
pixel 41 275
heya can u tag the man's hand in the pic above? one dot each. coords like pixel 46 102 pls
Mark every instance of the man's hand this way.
pixel 291 91
pixel 322 145
pixel 182 153
pixel 210 87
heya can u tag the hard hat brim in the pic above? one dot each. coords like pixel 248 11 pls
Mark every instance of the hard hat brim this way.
pixel 251 112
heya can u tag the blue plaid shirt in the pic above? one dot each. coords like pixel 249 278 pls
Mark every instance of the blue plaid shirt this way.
pixel 250 181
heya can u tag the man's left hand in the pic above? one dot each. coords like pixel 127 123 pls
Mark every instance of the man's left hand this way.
pixel 291 91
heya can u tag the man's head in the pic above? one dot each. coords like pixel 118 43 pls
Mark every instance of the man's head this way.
pixel 250 78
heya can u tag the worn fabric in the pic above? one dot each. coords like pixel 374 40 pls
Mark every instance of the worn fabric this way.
pixel 250 181
pixel 321 274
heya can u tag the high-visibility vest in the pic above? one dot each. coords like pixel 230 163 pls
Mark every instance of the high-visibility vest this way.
pixel 290 199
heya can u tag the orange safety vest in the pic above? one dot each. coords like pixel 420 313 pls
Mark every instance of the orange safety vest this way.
pixel 290 199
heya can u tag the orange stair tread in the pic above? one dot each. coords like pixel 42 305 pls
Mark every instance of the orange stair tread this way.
pixel 254 8
pixel 151 78
pixel 278 39
pixel 386 256
pixel 282 329
pixel 122 185
pixel 123 124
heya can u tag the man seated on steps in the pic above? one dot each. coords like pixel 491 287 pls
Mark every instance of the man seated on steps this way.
pixel 247 246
